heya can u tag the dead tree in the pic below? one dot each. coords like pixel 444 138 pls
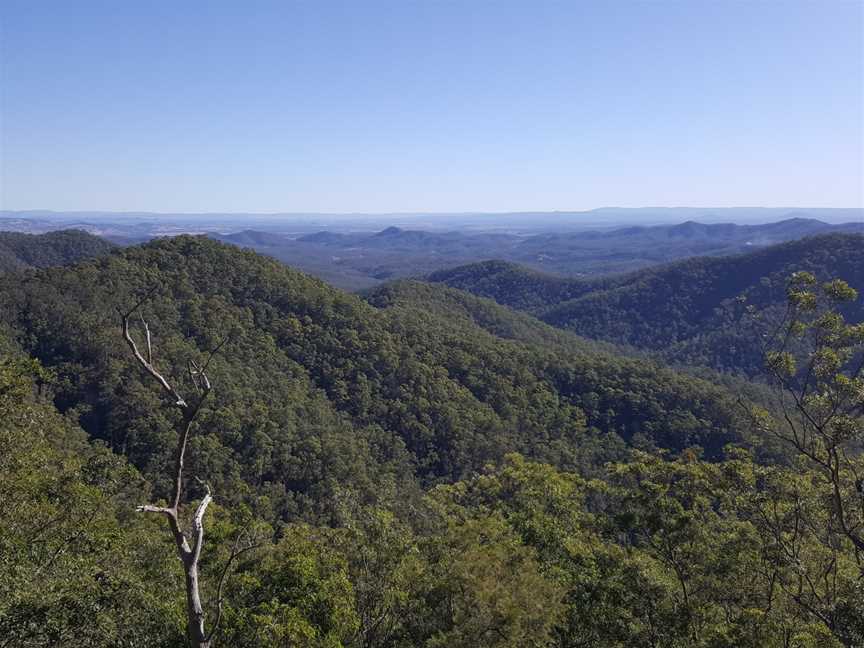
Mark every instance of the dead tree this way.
pixel 188 546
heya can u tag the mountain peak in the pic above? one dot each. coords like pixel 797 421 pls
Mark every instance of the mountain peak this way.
pixel 390 231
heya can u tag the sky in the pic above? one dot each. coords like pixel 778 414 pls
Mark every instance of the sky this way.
pixel 407 106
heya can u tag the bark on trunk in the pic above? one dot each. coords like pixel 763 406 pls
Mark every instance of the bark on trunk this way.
pixel 189 555
pixel 194 610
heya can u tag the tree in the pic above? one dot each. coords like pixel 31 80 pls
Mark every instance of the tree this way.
pixel 75 569
pixel 188 546
pixel 484 587
pixel 814 359
pixel 295 593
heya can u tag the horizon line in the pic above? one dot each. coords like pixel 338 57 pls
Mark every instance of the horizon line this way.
pixel 134 212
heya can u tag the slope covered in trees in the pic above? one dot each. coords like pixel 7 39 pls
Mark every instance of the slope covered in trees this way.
pixel 19 251
pixel 422 468
pixel 687 311
pixel 321 387
pixel 665 552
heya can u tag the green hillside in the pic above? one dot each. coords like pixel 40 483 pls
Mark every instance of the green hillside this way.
pixel 421 467
pixel 686 311
pixel 314 371
pixel 19 251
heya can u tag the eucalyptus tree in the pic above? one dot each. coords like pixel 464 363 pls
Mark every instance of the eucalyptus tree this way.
pixel 188 543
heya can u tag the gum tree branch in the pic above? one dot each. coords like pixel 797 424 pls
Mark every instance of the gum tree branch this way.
pixel 189 554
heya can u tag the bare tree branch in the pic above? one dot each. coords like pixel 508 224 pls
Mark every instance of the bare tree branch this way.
pixel 149 508
pixel 166 386
pixel 147 333
pixel 198 524
pixel 190 556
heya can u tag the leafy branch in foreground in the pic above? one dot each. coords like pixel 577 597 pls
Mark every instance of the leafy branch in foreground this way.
pixel 814 359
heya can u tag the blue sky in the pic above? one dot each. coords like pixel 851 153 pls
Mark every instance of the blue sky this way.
pixel 430 106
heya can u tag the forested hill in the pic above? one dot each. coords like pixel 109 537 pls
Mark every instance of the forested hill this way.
pixel 316 385
pixel 424 467
pixel 686 310
pixel 19 251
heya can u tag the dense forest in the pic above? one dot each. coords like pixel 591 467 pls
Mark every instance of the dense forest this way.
pixel 687 312
pixel 418 466
pixel 19 251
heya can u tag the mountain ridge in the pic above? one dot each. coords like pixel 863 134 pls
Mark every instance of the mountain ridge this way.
pixel 667 308
pixel 19 251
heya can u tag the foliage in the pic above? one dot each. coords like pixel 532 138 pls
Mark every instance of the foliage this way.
pixel 76 571
pixel 322 394
pixel 685 312
pixel 19 251
pixel 422 468
pixel 815 360
pixel 295 593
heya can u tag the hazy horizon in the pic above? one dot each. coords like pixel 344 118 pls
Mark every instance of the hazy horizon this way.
pixel 525 222
pixel 454 212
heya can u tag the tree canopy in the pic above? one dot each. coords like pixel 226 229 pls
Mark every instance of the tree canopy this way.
pixel 419 467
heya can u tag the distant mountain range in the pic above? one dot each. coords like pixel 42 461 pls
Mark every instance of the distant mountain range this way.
pixel 352 258
pixel 298 223
pixel 358 260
